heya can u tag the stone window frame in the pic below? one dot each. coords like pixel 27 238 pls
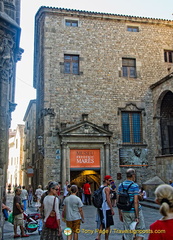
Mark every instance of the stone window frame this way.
pixel 132 28
pixel 71 59
pixel 71 19
pixel 71 52
pixel 168 56
pixel 132 108
pixel 128 66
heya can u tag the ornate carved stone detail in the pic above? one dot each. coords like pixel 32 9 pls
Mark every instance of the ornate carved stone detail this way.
pixel 18 55
pixel 6 56
pixel 131 107
pixel 84 129
pixel 87 129
pixel 48 111
pixel 12 106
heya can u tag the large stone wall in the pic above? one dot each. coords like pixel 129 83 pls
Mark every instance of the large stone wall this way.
pixel 102 40
pixel 10 53
pixel 164 163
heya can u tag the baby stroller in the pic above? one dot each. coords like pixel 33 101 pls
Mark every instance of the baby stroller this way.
pixel 33 222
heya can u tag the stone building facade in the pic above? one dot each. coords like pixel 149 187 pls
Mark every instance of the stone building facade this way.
pixel 162 93
pixel 15 173
pixel 29 143
pixel 10 53
pixel 93 73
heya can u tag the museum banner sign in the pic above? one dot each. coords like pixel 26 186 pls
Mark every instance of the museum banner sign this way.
pixel 84 158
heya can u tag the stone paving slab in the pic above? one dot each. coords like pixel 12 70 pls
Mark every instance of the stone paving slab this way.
pixel 88 229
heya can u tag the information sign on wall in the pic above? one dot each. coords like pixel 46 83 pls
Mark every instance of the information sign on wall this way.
pixel 84 158
pixel 30 171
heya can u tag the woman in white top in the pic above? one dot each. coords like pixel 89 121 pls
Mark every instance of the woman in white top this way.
pixel 48 233
pixel 38 194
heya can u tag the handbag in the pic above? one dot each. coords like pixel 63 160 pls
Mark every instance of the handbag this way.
pixel 51 221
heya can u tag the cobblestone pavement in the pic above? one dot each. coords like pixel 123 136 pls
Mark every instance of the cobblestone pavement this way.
pixel 88 229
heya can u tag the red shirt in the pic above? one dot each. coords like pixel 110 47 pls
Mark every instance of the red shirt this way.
pixel 162 230
pixel 86 188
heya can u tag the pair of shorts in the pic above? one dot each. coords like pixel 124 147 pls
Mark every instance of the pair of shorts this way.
pixel 128 218
pixel 74 225
pixel 109 218
pixel 114 196
pixel 18 219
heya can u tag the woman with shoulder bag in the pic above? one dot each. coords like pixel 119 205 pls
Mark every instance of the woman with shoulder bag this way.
pixel 51 228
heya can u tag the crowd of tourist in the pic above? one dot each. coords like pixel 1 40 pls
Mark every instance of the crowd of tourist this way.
pixel 49 202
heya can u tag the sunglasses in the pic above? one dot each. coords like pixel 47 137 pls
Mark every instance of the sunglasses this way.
pixel 55 189
pixel 110 180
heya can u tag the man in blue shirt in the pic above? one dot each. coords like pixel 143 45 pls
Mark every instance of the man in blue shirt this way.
pixel 170 182
pixel 135 213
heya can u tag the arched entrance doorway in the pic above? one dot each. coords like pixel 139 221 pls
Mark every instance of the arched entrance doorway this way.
pixel 80 177
pixel 166 123
pixel 85 154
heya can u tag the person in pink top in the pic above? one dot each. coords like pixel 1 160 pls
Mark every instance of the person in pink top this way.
pixel 87 193
pixel 162 229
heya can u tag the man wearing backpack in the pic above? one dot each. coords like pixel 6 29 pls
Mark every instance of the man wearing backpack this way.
pixel 130 189
pixel 106 212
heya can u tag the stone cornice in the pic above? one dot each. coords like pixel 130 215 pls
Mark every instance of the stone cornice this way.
pixel 110 16
pixel 167 78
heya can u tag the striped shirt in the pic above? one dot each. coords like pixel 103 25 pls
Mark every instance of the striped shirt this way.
pixel 133 190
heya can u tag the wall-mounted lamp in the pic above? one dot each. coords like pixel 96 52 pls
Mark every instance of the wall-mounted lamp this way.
pixel 40 145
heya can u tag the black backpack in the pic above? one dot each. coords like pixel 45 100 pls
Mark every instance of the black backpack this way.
pixel 97 198
pixel 124 202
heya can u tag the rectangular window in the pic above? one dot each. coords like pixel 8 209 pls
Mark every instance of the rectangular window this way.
pixel 131 127
pixel 168 56
pixel 129 67
pixel 71 23
pixel 71 64
pixel 132 29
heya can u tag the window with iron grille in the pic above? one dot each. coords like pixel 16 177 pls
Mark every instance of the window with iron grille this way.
pixel 168 56
pixel 131 127
pixel 71 23
pixel 132 29
pixel 129 67
pixel 71 64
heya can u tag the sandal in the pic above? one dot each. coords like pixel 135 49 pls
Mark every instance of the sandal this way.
pixel 25 235
pixel 16 236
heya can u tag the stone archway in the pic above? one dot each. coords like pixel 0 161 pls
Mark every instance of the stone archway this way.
pixel 166 123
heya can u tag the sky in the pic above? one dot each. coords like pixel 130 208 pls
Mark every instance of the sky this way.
pixel 161 9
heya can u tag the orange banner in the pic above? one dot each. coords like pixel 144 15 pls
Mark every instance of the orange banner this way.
pixel 84 158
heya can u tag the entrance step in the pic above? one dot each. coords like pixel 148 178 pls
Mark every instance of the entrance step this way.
pixel 150 203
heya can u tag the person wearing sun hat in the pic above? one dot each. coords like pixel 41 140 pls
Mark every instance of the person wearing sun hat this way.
pixel 105 214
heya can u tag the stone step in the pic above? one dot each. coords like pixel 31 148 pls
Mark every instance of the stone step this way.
pixel 149 204
pixel 152 200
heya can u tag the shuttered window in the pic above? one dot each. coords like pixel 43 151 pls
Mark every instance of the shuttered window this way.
pixel 131 127
pixel 129 67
